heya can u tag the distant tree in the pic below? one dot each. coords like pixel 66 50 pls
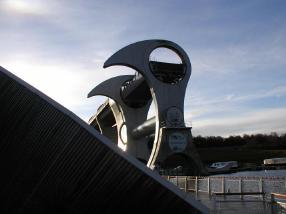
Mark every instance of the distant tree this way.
pixel 259 141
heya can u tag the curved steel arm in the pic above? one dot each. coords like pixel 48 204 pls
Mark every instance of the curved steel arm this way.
pixel 110 88
pixel 136 56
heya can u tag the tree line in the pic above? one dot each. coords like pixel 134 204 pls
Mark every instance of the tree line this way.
pixel 266 141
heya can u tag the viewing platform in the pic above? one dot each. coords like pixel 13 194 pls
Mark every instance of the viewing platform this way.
pixel 237 194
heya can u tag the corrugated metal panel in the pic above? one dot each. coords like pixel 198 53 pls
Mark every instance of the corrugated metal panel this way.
pixel 51 161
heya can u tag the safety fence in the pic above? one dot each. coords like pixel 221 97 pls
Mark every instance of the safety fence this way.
pixel 230 192
pixel 227 184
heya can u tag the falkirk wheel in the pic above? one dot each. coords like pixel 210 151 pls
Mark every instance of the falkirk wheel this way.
pixel 163 142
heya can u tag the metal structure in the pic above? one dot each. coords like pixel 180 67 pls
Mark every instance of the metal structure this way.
pixel 53 162
pixel 165 84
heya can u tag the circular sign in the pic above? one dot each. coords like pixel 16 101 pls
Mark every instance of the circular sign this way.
pixel 174 116
pixel 177 141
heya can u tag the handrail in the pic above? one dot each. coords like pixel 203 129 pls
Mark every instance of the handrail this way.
pixel 239 193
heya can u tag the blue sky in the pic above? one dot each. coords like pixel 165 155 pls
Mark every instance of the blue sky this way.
pixel 237 50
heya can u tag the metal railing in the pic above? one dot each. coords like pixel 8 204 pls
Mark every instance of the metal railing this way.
pixel 225 184
pixel 228 193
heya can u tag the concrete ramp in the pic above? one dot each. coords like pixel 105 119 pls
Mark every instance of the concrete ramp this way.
pixel 53 162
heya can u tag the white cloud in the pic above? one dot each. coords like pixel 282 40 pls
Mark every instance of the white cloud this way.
pixel 278 91
pixel 231 115
pixel 68 83
pixel 22 7
pixel 62 52
pixel 263 121
pixel 201 104
pixel 238 58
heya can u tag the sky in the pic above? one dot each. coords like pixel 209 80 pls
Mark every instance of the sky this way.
pixel 237 50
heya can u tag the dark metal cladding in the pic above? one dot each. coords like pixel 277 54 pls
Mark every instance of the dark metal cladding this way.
pixel 168 72
pixel 53 162
pixel 136 92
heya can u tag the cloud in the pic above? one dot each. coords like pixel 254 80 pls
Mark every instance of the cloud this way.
pixel 60 46
pixel 242 57
pixel 277 91
pixel 67 83
pixel 263 121
pixel 22 7
pixel 233 115
pixel 201 105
